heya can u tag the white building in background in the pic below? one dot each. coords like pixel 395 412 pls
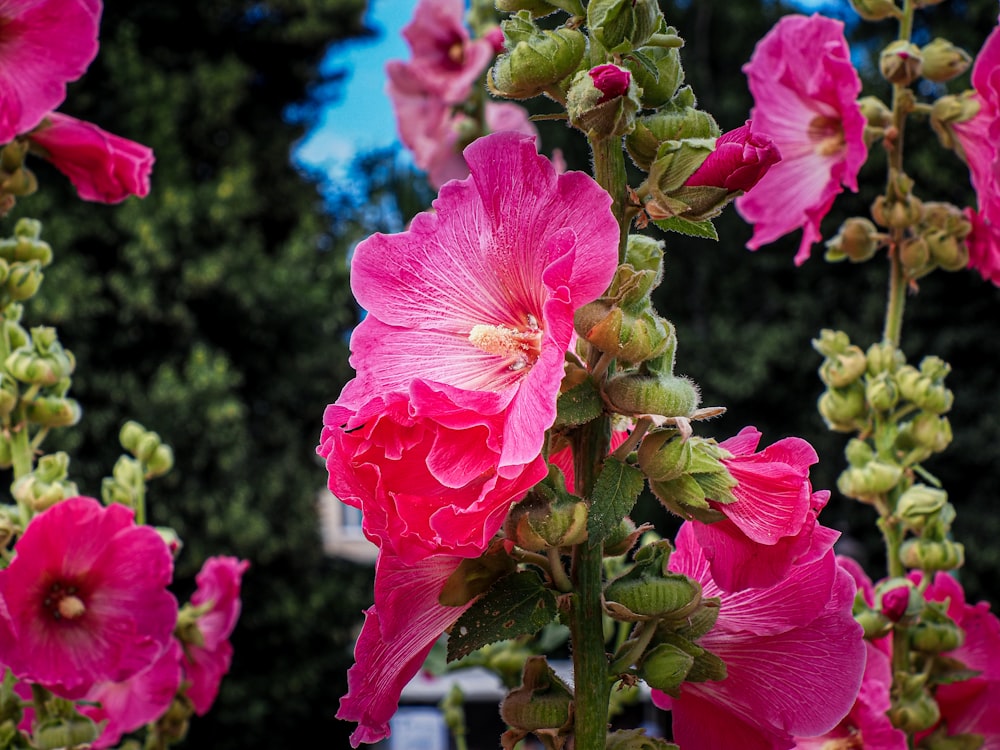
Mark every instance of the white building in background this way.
pixel 340 529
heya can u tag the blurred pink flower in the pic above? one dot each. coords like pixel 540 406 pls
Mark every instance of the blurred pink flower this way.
pixel 44 44
pixel 87 597
pixel 480 294
pixel 805 91
pixel 103 167
pixel 445 59
pixel 969 707
pixel 977 144
pixel 205 664
pixel 794 657
pixel 773 523
pixel 398 633
pixel 133 703
pixel 740 159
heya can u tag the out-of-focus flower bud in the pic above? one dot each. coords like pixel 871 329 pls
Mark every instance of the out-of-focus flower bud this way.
pixel 927 391
pixel 62 732
pixel 603 101
pixel 935 633
pixel 944 61
pixel 623 25
pixel 870 482
pixel 844 368
pixel 24 279
pixel 915 257
pixel 919 503
pixel 899 600
pixel 53 411
pixel 659 89
pixel 844 409
pixel 876 10
pixel 950 109
pixel 857 240
pixel 25 245
pixel 666 395
pixel 925 434
pixel 675 121
pixel 858 452
pixel 884 357
pixel 537 60
pixel 47 484
pixel 882 392
pixel 915 709
pixel 543 701
pixel 903 213
pixel 901 63
pixel 875 111
pixel 930 556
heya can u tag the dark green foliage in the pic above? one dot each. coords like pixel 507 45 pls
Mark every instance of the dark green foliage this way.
pixel 216 312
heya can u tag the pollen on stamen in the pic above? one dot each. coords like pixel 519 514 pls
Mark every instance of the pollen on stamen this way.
pixel 521 347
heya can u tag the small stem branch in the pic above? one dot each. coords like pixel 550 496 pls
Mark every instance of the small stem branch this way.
pixel 646 631
pixel 558 572
pixel 640 429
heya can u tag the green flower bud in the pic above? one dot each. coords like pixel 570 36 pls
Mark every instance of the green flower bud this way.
pixel 665 395
pixel 935 633
pixel 844 368
pixel 664 455
pixel 858 240
pixel 915 709
pixel 623 537
pixel 535 61
pixel 628 338
pixel 919 503
pixel 541 522
pixel 47 484
pixel 43 361
pixel 160 462
pixel 623 25
pixel 870 482
pixel 658 90
pixel 929 431
pixel 25 245
pixel 675 121
pixel 858 452
pixel 876 10
pixel 931 556
pixel 901 63
pixel 951 109
pixel 24 279
pixel 675 162
pixel 876 113
pixel 874 623
pixel 543 701
pixel 944 61
pixel 843 409
pixel 636 739
pixel 884 358
pixel 882 392
pixel 64 732
pixel 926 392
pixel 53 411
pixel 603 101
pixel 645 255
pixel 665 667
pixel 831 343
pixel 116 492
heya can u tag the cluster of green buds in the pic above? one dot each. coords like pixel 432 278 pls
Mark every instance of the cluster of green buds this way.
pixel 537 61
pixel 686 473
pixel 46 485
pixel 542 705
pixel 926 512
pixel 149 458
pixel 670 615
pixel 16 180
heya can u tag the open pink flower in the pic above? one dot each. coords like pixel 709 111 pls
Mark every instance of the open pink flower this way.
pixel 133 703
pixel 445 58
pixel 398 633
pixel 772 525
pixel 205 664
pixel 44 44
pixel 102 167
pixel 805 92
pixel 480 294
pixel 424 467
pixel 977 141
pixel 794 658
pixel 87 596
pixel 740 159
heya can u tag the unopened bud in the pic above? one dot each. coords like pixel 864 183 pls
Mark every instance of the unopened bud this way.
pixel 603 102
pixel 899 600
pixel 844 368
pixel 53 411
pixel 857 241
pixel 665 395
pixel 930 556
pixel 622 26
pixel 901 63
pixel 665 667
pixel 881 392
pixel 919 503
pixel 915 257
pixel 542 701
pixel 944 61
pixel 628 338
pixel 884 357
pixel 659 89
pixel 677 120
pixel 876 10
pixel 843 409
pixel 537 61
pixel 539 523
pixel 64 732
pixel 935 633
pixel 24 279
pixel 915 709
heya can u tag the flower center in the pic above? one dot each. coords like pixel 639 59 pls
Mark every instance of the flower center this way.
pixel 456 53
pixel 827 135
pixel 63 603
pixel 851 742
pixel 521 346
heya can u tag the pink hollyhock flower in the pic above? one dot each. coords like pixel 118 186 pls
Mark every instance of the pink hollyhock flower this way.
pixel 87 597
pixel 103 167
pixel 424 467
pixel 44 44
pixel 739 161
pixel 445 59
pixel 794 658
pixel 435 133
pixel 977 144
pixel 480 294
pixel 805 91
pixel 398 633
pixel 969 707
pixel 773 523
pixel 206 663
pixel 611 81
pixel 129 705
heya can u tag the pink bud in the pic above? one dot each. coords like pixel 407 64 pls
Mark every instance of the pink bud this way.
pixel 895 602
pixel 611 81
pixel 495 37
pixel 740 160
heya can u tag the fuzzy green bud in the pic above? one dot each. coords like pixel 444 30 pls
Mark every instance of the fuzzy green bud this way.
pixel 876 10
pixel 944 61
pixel 543 701
pixel 844 368
pixel 541 522
pixel 875 111
pixel 603 101
pixel 858 452
pixel 915 709
pixel 858 240
pixel 665 395
pixel 53 411
pixel 882 392
pixel 884 357
pixel 26 244
pixel 935 633
pixel 645 597
pixel 677 120
pixel 665 667
pixel 536 61
pixel 927 431
pixel 629 338
pixel 659 89
pixel 623 25
pixel 901 63
pixel 870 482
pixel 930 556
pixel 919 503
pixel 843 409
pixel 64 732
pixel 24 279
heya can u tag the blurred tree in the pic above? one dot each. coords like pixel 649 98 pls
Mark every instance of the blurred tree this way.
pixel 216 312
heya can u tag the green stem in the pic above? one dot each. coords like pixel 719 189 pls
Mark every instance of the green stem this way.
pixel 590 661
pixel 609 171
pixel 646 632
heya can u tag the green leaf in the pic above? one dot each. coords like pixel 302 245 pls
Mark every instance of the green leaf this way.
pixel 579 405
pixel 516 605
pixel 704 229
pixel 646 62
pixel 615 492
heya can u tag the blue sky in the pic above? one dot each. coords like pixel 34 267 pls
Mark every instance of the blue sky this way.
pixel 362 119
